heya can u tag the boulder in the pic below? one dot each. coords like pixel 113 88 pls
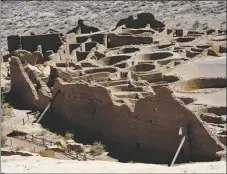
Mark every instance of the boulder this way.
pixel 48 153
pixel 26 56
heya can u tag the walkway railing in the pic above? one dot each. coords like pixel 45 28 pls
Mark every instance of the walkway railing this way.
pixel 43 142
pixel 25 119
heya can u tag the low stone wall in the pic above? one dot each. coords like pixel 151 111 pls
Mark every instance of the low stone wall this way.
pixel 114 40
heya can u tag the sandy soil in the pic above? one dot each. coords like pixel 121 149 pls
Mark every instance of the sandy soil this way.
pixel 20 164
pixel 201 68
pixel 63 15
pixel 16 121
pixel 217 98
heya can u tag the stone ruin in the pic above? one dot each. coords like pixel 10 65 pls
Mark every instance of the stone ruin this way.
pixel 115 83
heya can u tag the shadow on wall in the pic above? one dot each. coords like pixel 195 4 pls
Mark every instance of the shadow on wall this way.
pixel 30 43
pixel 16 101
pixel 116 150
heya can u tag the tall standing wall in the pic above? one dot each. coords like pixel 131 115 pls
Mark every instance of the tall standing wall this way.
pixel 154 124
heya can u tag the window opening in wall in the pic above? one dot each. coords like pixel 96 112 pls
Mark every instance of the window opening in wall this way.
pixel 150 121
pixel 180 132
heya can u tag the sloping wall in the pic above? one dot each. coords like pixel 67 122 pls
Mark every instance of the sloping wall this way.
pixel 158 127
pixel 21 84
pixel 35 97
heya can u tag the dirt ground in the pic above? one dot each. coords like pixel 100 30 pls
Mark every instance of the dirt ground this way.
pixel 20 164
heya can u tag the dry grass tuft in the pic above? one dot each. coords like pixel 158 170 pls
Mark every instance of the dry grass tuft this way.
pixel 97 148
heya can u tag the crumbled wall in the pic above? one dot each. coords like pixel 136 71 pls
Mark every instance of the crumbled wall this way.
pixel 158 129
pixel 94 108
pixel 154 129
pixel 23 86
pixel 114 40
pixel 95 37
pixel 119 105
pixel 26 56
pixel 30 43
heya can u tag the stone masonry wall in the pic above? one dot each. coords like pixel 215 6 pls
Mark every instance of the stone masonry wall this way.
pixel 23 86
pixel 155 129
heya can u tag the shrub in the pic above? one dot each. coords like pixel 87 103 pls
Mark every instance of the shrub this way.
pixel 97 148
pixel 3 99
pixel 69 136
pixel 7 108
pixel 36 114
pixel 8 111
pixel 2 119
pixel 5 105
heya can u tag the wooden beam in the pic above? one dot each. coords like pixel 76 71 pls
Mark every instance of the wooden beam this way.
pixel 46 109
pixel 48 106
pixel 178 150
